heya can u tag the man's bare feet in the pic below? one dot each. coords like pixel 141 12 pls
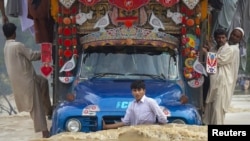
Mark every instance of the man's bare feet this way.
pixel 46 134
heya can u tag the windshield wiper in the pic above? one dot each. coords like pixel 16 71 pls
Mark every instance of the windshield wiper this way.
pixel 161 77
pixel 98 75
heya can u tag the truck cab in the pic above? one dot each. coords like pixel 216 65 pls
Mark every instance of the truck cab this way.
pixel 113 56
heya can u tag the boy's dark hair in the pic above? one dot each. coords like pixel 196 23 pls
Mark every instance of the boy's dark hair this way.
pixel 137 84
pixel 220 32
pixel 9 29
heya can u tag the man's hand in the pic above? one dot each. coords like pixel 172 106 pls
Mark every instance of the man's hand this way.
pixel 2 12
pixel 5 19
pixel 205 50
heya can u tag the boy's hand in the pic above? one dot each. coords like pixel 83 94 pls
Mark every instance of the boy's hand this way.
pixel 103 125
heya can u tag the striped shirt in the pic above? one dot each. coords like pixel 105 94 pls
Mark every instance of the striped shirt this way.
pixel 144 111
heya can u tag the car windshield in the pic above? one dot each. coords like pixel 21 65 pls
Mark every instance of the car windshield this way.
pixel 127 64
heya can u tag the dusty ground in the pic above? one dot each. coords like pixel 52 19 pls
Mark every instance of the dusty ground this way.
pixel 19 127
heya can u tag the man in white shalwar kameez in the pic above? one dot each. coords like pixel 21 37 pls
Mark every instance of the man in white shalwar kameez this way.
pixel 31 91
pixel 235 38
pixel 221 83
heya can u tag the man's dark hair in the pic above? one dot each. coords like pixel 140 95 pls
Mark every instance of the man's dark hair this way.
pixel 220 32
pixel 137 84
pixel 9 29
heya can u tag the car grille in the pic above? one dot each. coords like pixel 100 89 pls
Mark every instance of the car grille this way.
pixel 89 124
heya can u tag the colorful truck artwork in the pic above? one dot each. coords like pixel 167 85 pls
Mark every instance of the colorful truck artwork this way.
pixel 101 46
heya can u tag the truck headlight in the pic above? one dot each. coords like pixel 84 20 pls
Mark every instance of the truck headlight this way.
pixel 73 125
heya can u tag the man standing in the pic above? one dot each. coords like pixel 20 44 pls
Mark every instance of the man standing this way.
pixel 30 90
pixel 235 37
pixel 234 40
pixel 220 90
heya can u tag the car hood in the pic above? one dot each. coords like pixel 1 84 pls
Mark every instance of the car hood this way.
pixel 102 91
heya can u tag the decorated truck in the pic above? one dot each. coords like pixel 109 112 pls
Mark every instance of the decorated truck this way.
pixel 101 46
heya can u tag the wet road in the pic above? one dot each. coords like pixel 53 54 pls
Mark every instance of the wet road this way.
pixel 240 110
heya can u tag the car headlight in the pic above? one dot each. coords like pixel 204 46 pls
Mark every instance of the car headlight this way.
pixel 73 125
pixel 178 121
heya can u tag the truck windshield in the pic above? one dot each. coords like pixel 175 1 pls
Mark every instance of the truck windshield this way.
pixel 129 65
